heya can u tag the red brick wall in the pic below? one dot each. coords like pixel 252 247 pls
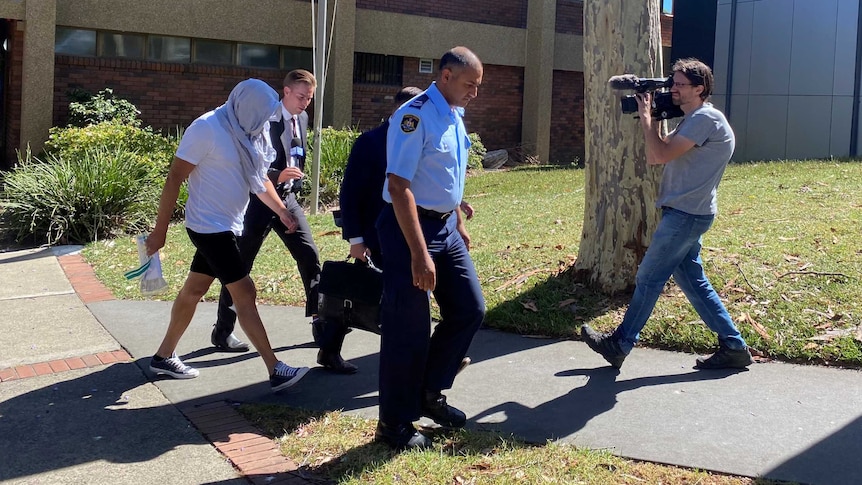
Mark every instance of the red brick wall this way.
pixel 570 17
pixel 167 94
pixel 567 117
pixel 495 115
pixel 13 83
pixel 508 13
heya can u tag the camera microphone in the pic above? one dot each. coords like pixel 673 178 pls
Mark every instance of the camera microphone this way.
pixel 625 81
pixel 295 142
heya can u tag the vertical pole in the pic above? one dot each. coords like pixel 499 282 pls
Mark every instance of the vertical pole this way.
pixel 320 74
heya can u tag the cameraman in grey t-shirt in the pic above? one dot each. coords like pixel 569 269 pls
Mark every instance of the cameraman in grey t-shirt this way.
pixel 695 155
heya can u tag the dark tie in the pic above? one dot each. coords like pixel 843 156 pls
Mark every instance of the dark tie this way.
pixel 276 128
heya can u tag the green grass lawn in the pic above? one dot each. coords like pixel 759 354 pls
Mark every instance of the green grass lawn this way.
pixel 784 253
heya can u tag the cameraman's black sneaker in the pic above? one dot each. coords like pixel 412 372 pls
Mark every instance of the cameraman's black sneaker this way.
pixel 725 358
pixel 605 345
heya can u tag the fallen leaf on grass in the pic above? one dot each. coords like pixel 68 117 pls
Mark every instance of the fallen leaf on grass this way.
pixel 529 305
pixel 745 317
pixel 520 279
pixel 566 303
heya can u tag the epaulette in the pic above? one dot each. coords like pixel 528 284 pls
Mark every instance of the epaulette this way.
pixel 418 102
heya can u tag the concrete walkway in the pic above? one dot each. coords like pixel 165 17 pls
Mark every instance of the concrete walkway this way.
pixel 779 421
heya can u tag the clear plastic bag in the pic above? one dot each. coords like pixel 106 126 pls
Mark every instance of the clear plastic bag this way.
pixel 150 271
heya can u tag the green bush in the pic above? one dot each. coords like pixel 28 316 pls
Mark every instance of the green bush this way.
pixel 152 149
pixel 335 147
pixel 86 109
pixel 476 153
pixel 104 193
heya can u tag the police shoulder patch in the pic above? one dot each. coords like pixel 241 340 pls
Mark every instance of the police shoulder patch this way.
pixel 409 123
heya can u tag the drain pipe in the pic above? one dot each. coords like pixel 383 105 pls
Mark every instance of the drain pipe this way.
pixel 854 124
pixel 731 45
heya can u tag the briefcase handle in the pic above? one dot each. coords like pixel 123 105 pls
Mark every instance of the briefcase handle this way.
pixel 368 262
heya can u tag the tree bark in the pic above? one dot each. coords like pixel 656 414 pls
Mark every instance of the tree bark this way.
pixel 620 36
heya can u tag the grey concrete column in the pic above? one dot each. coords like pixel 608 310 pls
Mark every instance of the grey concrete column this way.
pixel 37 92
pixel 539 78
pixel 338 102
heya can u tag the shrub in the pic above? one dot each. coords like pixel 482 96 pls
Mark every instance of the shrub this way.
pixel 334 150
pixel 86 109
pixel 476 153
pixel 152 149
pixel 104 193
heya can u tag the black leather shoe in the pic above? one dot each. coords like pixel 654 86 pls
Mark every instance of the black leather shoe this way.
pixel 434 406
pixel 401 436
pixel 227 344
pixel 333 362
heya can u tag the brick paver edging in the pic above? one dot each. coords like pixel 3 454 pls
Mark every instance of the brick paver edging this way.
pixel 83 279
pixel 63 365
pixel 253 454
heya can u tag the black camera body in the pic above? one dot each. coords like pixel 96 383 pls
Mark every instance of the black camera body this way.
pixel 662 101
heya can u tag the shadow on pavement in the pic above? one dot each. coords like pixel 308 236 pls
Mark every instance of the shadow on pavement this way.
pixel 838 452
pixel 569 413
pixel 108 415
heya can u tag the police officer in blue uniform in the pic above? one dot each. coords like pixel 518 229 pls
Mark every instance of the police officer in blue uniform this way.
pixel 425 249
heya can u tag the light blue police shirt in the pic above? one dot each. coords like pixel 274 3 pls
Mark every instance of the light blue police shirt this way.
pixel 427 144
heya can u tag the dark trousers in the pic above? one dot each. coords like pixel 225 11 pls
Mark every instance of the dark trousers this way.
pixel 412 358
pixel 299 243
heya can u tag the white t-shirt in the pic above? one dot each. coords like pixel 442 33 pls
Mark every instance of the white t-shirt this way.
pixel 218 190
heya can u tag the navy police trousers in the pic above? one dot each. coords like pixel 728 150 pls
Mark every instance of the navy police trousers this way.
pixel 412 359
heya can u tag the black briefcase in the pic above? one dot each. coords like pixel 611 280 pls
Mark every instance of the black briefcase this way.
pixel 350 294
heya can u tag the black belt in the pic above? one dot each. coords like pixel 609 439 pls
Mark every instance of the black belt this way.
pixel 423 212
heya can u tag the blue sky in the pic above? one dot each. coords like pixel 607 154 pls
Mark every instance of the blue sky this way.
pixel 666 5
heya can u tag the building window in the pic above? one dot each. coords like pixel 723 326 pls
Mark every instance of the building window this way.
pixel 130 46
pixel 213 52
pixel 378 69
pixel 295 58
pixel 257 55
pixel 162 48
pixel 426 66
pixel 169 49
pixel 75 42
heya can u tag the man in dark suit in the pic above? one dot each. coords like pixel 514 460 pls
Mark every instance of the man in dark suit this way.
pixel 288 137
pixel 362 185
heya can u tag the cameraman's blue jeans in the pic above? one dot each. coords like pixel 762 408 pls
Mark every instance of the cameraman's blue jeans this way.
pixel 675 250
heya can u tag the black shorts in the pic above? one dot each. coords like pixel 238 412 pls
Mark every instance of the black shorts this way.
pixel 218 256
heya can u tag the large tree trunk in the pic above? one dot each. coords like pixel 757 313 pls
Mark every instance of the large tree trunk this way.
pixel 619 216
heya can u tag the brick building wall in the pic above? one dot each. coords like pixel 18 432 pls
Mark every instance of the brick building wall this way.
pixel 570 17
pixel 167 94
pixel 495 114
pixel 567 117
pixel 508 13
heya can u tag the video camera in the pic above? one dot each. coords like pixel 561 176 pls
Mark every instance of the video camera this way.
pixel 662 101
